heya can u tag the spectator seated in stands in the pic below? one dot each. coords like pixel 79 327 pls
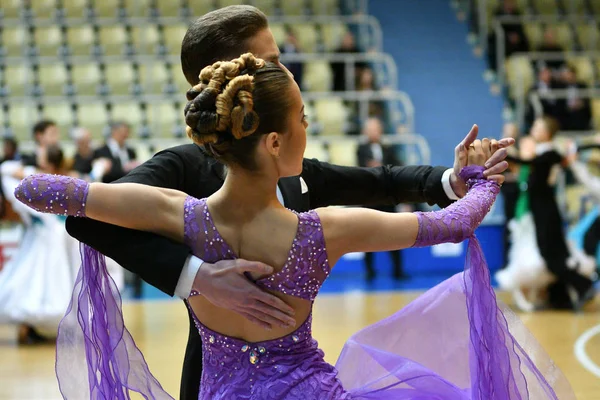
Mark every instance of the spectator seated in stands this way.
pixel 552 106
pixel 123 158
pixel 338 69
pixel 551 46
pixel 515 39
pixel 577 115
pixel 84 156
pixel 373 153
pixel 291 46
pixel 10 149
pixel 45 134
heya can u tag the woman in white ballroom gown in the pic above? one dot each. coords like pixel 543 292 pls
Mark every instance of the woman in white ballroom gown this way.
pixel 36 284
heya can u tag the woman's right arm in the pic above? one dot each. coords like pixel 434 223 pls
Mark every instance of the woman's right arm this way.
pixel 357 230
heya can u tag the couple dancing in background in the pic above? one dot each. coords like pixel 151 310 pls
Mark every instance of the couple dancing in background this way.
pixel 248 114
pixel 540 257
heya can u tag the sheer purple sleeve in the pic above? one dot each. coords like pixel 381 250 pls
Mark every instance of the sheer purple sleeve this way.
pixel 458 221
pixel 96 356
pixel 54 194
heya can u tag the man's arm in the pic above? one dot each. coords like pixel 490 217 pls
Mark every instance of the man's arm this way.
pixel 335 185
pixel 158 260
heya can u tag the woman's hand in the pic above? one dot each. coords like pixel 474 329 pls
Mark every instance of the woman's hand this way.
pixel 477 153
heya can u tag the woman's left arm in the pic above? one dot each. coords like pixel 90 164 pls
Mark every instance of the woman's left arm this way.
pixel 129 205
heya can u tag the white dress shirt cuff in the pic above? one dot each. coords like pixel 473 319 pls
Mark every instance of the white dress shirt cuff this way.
pixel 188 274
pixel 446 184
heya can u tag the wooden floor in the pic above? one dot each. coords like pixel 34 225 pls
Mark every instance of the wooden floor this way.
pixel 160 329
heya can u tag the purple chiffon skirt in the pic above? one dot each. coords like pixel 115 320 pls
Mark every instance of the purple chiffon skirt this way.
pixel 455 342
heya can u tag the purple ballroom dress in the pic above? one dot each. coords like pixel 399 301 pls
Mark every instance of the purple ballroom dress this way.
pixel 455 342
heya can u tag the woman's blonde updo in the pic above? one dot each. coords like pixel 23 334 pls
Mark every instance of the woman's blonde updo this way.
pixel 234 104
pixel 222 102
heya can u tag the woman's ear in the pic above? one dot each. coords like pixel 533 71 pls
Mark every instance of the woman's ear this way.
pixel 273 143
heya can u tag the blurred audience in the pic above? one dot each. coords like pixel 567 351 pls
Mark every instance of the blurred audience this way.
pixel 340 80
pixel 373 153
pixel 291 46
pixel 10 150
pixel 515 39
pixel 550 45
pixel 552 106
pixel 123 158
pixel 84 154
pixel 577 115
pixel 45 134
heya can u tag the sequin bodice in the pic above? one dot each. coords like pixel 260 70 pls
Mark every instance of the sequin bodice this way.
pixel 291 367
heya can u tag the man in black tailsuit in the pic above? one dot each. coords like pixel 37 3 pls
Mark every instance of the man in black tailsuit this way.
pixel 223 35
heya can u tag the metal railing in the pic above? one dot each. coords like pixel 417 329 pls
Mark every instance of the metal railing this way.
pixel 369 31
pixel 414 146
pixel 500 35
pixel 400 108
pixel 521 90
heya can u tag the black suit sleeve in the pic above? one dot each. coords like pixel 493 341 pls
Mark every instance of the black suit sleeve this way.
pixel 156 259
pixel 362 155
pixel 335 185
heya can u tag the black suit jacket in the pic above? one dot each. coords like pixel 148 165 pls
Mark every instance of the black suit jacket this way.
pixel 159 260
pixel 116 171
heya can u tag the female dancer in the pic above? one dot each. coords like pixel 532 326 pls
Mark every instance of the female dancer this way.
pixel 572 288
pixel 35 284
pixel 452 343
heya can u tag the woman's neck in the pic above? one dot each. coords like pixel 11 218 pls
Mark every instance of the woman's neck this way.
pixel 246 193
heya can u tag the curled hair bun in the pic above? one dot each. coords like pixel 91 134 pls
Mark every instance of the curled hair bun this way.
pixel 221 106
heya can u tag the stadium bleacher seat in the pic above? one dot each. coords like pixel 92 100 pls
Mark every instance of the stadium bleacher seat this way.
pixel 86 78
pixel 546 7
pixel 199 8
pixel 93 116
pixel 332 115
pixel 317 76
pixel 14 40
pixel 332 34
pixel 120 77
pixel 564 35
pixel 53 78
pixel 43 8
pixel 589 36
pixel 163 117
pixel 168 8
pixel 596 112
pixel 106 8
pixel 48 40
pixel 266 6
pixel 535 33
pixel 75 8
pixel 584 67
pixel 19 80
pixel 20 116
pixel 173 36
pixel 61 112
pixel 127 111
pixel 153 76
pixel 307 36
pixel 324 7
pixel 292 7
pixel 517 67
pixel 11 8
pixel 343 152
pixel 137 8
pixel 145 38
pixel 315 149
pixel 113 40
pixel 80 40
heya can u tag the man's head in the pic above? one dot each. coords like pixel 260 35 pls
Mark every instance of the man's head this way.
pixel 119 131
pixel 45 133
pixel 82 137
pixel 373 130
pixel 9 148
pixel 569 74
pixel 225 34
pixel 545 75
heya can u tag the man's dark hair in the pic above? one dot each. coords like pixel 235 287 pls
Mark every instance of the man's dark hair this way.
pixel 218 36
pixel 41 126
pixel 55 156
